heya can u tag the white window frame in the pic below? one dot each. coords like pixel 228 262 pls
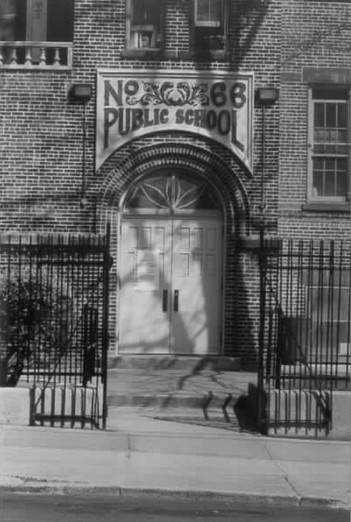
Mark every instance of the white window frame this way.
pixel 331 314
pixel 207 23
pixel 211 24
pixel 314 198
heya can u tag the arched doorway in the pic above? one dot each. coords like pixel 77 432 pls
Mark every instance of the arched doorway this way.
pixel 171 266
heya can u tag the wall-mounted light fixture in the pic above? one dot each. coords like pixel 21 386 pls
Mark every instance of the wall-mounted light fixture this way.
pixel 82 92
pixel 267 95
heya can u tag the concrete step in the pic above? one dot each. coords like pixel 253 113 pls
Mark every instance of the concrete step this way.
pixel 176 388
pixel 195 395
pixel 173 362
pixel 173 400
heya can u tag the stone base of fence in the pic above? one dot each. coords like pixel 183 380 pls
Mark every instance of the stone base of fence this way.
pixel 341 415
pixel 299 413
pixel 52 406
pixel 62 406
pixel 16 406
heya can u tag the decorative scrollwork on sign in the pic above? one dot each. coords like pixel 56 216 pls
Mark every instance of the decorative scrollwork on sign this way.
pixel 172 94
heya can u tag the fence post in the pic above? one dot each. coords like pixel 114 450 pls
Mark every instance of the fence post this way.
pixel 105 335
pixel 260 403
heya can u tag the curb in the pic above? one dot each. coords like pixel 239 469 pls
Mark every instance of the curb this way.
pixel 26 486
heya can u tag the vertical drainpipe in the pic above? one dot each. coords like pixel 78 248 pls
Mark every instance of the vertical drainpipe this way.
pixel 260 380
pixel 83 93
pixel 265 97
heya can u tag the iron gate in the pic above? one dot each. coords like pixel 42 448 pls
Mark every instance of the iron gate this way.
pixel 305 333
pixel 54 324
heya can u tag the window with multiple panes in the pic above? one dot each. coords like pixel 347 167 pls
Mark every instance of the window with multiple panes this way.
pixel 36 20
pixel 330 310
pixel 328 145
pixel 210 25
pixel 144 24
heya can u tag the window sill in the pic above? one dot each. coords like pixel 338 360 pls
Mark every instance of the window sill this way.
pixel 209 56
pixel 143 54
pixel 327 207
pixel 201 56
pixel 159 54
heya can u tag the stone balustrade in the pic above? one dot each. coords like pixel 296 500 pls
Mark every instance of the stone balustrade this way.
pixel 36 55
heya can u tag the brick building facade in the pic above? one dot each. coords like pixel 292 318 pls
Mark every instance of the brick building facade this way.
pixel 315 76
pixel 73 160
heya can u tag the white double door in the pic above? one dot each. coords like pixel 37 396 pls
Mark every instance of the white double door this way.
pixel 170 285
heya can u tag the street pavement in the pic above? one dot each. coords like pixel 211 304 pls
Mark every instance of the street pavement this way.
pixel 140 452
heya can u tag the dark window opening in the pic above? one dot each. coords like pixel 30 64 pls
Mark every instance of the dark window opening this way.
pixel 210 24
pixel 36 20
pixel 144 24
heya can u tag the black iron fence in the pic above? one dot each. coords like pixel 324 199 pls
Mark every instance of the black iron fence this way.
pixel 53 324
pixel 305 333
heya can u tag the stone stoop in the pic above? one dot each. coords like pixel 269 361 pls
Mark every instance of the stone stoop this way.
pixel 200 390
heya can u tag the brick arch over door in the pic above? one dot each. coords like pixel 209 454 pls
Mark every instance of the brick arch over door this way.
pixel 136 160
pixel 186 156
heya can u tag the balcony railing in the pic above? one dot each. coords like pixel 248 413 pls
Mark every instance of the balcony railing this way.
pixel 36 55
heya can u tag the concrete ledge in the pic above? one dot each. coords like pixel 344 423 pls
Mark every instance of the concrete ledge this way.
pixel 341 415
pixel 15 406
pixel 298 413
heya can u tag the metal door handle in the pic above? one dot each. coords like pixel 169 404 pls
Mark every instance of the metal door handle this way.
pixel 164 300
pixel 176 301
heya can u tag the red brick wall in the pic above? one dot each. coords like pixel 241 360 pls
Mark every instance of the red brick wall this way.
pixel 315 34
pixel 42 135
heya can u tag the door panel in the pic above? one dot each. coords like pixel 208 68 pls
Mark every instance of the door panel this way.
pixel 144 316
pixel 170 296
pixel 197 278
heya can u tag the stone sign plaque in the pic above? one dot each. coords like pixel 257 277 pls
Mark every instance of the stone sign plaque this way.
pixel 131 104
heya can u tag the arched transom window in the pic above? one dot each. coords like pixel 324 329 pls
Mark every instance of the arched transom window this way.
pixel 172 192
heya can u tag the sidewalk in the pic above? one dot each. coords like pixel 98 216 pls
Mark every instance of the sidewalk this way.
pixel 139 453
